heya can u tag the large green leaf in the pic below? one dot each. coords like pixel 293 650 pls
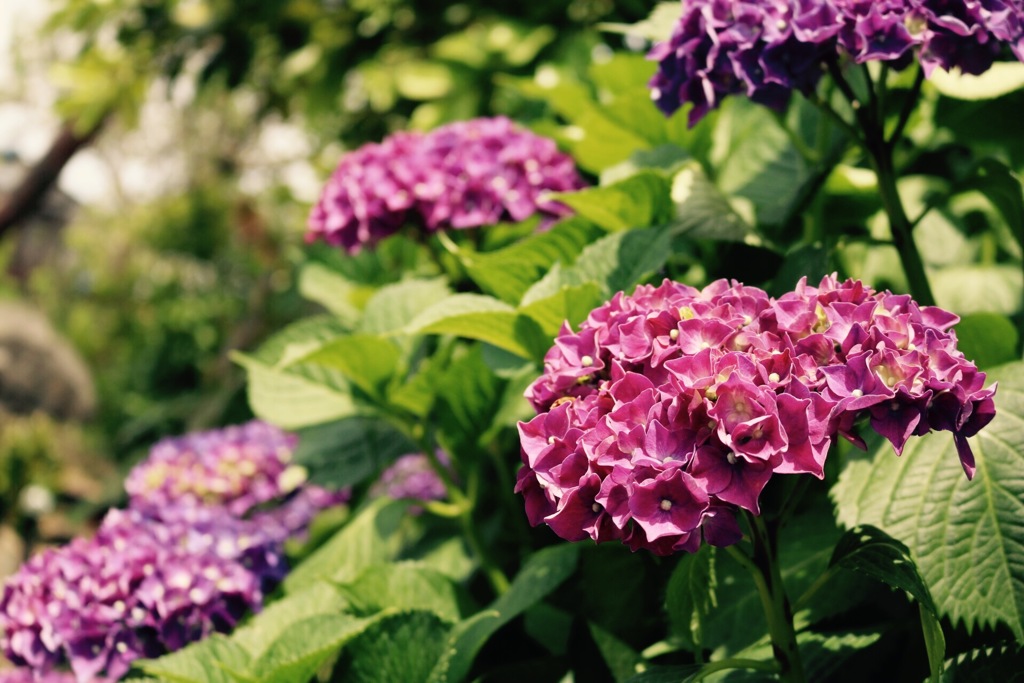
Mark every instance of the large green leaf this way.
pixel 469 396
pixel 1002 663
pixel 542 573
pixel 702 211
pixel 403 586
pixel 988 339
pixel 690 596
pixel 571 303
pixel 211 660
pixel 331 290
pixel 277 617
pixel 301 649
pixel 370 538
pixel 1000 79
pixel 875 553
pixel 481 317
pixel 367 360
pixel 507 273
pixel 639 201
pixel 1002 187
pixel 977 289
pixel 394 306
pixel 398 647
pixel 297 395
pixel 965 536
pixel 349 451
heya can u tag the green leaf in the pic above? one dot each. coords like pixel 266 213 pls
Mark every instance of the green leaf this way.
pixel 570 304
pixel 620 657
pixel 988 339
pixel 349 451
pixel 368 361
pixel 542 573
pixel 639 201
pixel 404 586
pixel 875 553
pixel 304 647
pixel 702 211
pixel 979 289
pixel 690 597
pixel 1000 186
pixel 666 674
pixel 965 537
pixel 597 142
pixel 1003 663
pixel 469 396
pixel 207 661
pixel 394 306
pixel 1002 78
pixel 507 273
pixel 331 290
pixel 278 616
pixel 480 317
pixel 656 27
pixel 370 538
pixel 397 647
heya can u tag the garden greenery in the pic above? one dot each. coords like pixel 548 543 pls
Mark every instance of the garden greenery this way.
pixel 771 352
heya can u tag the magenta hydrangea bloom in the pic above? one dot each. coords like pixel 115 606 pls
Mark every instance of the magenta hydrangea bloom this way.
pixel 462 175
pixel 671 409
pixel 767 49
pixel 23 675
pixel 137 589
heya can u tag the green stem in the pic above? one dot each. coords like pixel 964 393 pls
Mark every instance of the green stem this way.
pixel 880 156
pixel 733 663
pixel 764 568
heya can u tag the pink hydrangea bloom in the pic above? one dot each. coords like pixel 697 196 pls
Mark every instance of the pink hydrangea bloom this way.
pixel 672 408
pixel 765 50
pixel 463 175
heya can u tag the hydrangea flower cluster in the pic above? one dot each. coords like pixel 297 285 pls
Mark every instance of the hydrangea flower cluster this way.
pixel 411 477
pixel 137 589
pixel 239 467
pixel 462 175
pixel 670 410
pixel 199 545
pixel 25 675
pixel 767 49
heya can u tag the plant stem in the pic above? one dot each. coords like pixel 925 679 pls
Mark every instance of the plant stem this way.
pixel 764 568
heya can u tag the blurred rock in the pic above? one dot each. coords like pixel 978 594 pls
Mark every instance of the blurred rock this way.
pixel 39 370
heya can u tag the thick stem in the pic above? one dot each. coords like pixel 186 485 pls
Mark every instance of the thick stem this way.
pixel 880 156
pixel 764 568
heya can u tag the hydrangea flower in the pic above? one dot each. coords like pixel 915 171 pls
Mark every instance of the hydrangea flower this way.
pixel 137 589
pixel 199 545
pixel 23 675
pixel 462 175
pixel 669 410
pixel 767 49
pixel 411 477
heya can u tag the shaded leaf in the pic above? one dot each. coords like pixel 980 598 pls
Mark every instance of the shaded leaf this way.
pixel 988 339
pixel 639 201
pixel 397 647
pixel 403 586
pixel 301 649
pixel 349 451
pixel 278 616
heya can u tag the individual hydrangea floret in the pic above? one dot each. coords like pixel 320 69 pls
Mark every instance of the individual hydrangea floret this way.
pixel 765 50
pixel 463 175
pixel 412 477
pixel 137 589
pixel 669 410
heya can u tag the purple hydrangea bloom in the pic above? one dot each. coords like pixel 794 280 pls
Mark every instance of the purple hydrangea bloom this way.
pixel 462 175
pixel 137 589
pixel 199 545
pixel 766 49
pixel 671 409
pixel 23 675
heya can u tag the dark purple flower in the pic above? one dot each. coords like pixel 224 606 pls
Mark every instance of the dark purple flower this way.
pixel 463 175
pixel 671 409
pixel 765 49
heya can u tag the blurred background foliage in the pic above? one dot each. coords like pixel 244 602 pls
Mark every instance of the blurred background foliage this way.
pixel 155 290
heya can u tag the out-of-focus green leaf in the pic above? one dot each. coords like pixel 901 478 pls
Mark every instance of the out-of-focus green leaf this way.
pixel 1000 663
pixel 368 361
pixel 978 289
pixel 702 212
pixel 370 538
pixel 639 201
pixel 480 317
pixel 277 617
pixel 207 661
pixel 543 572
pixel 402 586
pixel 571 303
pixel 988 339
pixel 394 306
pixel 690 596
pixel 297 653
pixel 656 27
pixel 326 287
pixel 349 451
pixel 1000 79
